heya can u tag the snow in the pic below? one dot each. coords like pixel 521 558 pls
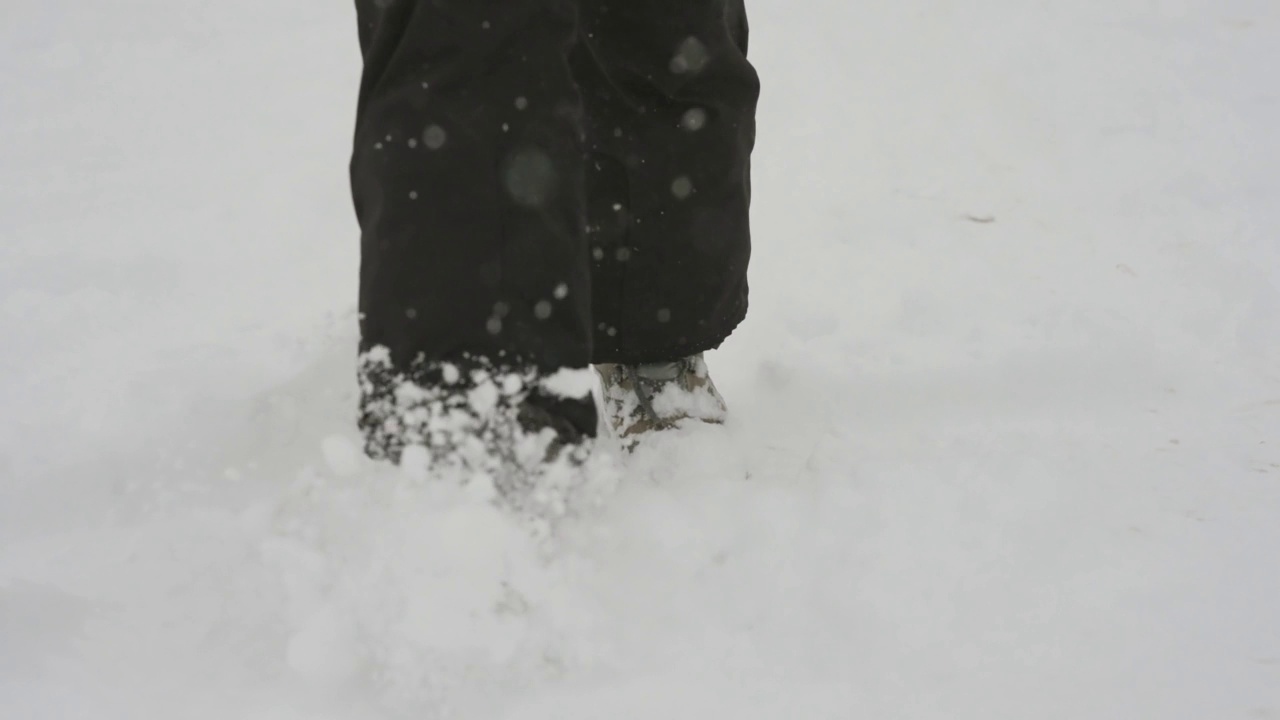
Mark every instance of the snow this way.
pixel 1005 439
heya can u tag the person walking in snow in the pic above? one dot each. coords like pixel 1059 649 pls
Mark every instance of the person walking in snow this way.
pixel 543 186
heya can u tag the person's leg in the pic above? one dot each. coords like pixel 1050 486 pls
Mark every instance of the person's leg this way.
pixel 467 181
pixel 670 99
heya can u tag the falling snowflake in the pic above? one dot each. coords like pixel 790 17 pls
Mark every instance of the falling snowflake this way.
pixel 434 137
pixel 691 57
pixel 693 119
pixel 530 177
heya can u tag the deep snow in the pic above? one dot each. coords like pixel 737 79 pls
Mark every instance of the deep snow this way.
pixel 1006 431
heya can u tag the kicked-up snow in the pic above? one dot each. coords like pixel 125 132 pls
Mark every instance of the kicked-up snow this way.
pixel 1005 431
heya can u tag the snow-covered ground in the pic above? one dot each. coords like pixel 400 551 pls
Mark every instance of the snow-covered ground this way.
pixel 1006 433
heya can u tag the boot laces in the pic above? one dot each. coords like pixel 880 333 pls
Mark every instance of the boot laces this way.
pixel 647 376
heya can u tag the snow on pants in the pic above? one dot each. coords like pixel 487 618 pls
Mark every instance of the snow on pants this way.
pixel 552 183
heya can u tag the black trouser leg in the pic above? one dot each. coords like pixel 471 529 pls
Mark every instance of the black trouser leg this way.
pixel 467 177
pixel 471 188
pixel 670 100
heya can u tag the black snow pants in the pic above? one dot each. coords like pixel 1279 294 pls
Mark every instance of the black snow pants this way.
pixel 551 183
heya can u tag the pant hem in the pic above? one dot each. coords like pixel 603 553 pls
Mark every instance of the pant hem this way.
pixel 639 356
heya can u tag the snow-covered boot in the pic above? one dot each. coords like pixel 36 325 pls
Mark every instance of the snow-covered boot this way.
pixel 469 414
pixel 657 396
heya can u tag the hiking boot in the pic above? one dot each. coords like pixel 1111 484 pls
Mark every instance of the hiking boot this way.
pixel 470 414
pixel 570 418
pixel 658 396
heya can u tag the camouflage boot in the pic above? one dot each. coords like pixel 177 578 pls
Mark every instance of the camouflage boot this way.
pixel 644 398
